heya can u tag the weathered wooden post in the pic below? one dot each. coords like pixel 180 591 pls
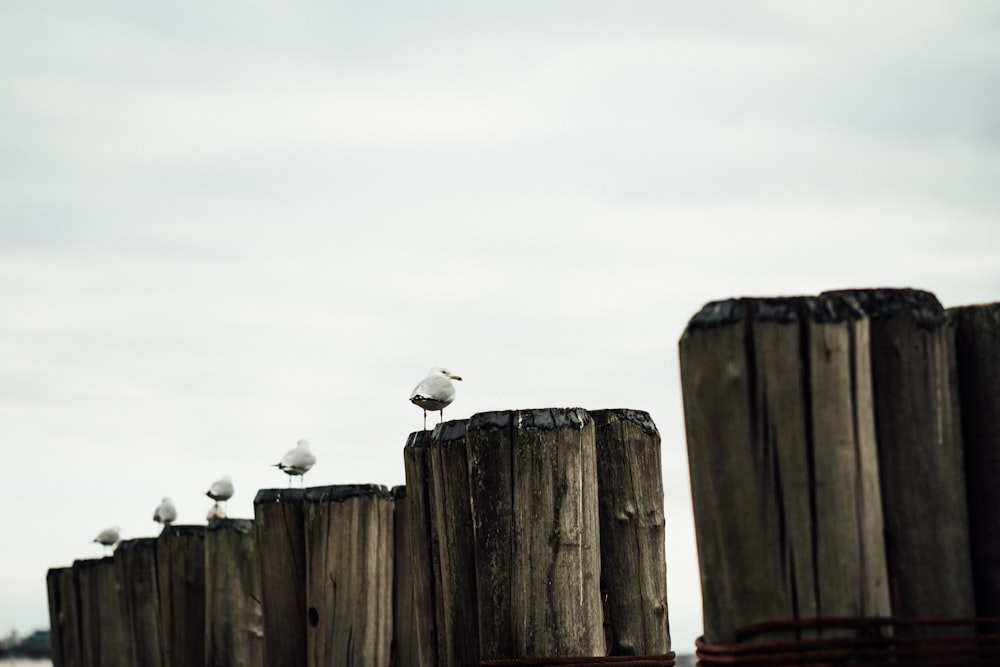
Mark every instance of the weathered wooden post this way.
pixel 279 526
pixel 416 461
pixel 782 454
pixel 180 564
pixel 403 609
pixel 633 557
pixel 136 567
pixel 453 555
pixel 917 421
pixel 349 564
pixel 103 614
pixel 538 561
pixel 977 347
pixel 234 634
pixel 64 617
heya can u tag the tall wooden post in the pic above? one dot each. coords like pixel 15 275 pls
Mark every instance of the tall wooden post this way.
pixel 404 637
pixel 977 346
pixel 782 458
pixel 349 563
pixel 103 614
pixel 180 561
pixel 534 501
pixel 279 526
pixel 86 579
pixel 136 567
pixel 64 617
pixel 633 557
pixel 453 546
pixel 915 385
pixel 234 634
pixel 416 462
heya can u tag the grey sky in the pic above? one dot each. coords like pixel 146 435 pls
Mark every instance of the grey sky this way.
pixel 227 227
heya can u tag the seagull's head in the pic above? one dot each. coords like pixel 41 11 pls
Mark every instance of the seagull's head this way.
pixel 303 443
pixel 437 370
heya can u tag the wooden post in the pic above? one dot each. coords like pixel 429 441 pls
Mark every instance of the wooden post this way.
pixel 64 617
pixel 349 563
pixel 416 462
pixel 104 614
pixel 404 637
pixel 977 346
pixel 914 379
pixel 279 526
pixel 234 635
pixel 633 558
pixel 180 561
pixel 782 459
pixel 534 501
pixel 136 567
pixel 452 546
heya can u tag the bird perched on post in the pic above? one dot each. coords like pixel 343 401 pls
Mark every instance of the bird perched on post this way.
pixel 166 513
pixel 221 489
pixel 297 461
pixel 435 392
pixel 108 537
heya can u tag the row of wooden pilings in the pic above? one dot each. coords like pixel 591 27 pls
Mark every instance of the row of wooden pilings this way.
pixel 845 465
pixel 518 534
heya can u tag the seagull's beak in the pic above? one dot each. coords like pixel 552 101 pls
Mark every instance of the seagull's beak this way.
pixel 455 377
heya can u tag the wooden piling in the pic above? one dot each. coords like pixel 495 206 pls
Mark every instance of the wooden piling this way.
pixel 105 641
pixel 403 609
pixel 85 578
pixel 915 386
pixel 534 502
pixel 416 461
pixel 633 558
pixel 279 528
pixel 977 347
pixel 782 460
pixel 234 634
pixel 452 546
pixel 349 564
pixel 180 560
pixel 136 567
pixel 64 617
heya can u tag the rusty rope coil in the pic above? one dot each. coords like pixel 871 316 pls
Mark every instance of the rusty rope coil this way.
pixel 874 644
pixel 664 660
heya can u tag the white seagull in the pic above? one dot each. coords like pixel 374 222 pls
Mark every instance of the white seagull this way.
pixel 166 513
pixel 297 461
pixel 108 537
pixel 221 489
pixel 435 392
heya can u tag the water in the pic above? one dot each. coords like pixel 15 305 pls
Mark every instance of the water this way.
pixel 25 662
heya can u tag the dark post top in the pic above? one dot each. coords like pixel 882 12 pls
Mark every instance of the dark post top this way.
pixel 129 545
pixel 184 529
pixel 341 492
pixel 543 419
pixel 923 306
pixel 398 492
pixel 278 495
pixel 450 430
pixel 244 526
pixel 418 439
pixel 638 417
pixel 827 308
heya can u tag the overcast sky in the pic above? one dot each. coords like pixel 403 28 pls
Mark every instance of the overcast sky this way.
pixel 225 226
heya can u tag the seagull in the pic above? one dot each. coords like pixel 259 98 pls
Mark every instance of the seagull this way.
pixel 108 537
pixel 221 489
pixel 435 392
pixel 166 513
pixel 297 461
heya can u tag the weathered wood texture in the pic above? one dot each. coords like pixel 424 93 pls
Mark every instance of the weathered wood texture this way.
pixel 105 641
pixel 234 635
pixel 782 460
pixel 917 421
pixel 633 558
pixel 136 563
pixel 403 608
pixel 977 347
pixel 453 554
pixel 349 564
pixel 534 501
pixel 423 647
pixel 64 617
pixel 180 565
pixel 88 593
pixel 279 528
